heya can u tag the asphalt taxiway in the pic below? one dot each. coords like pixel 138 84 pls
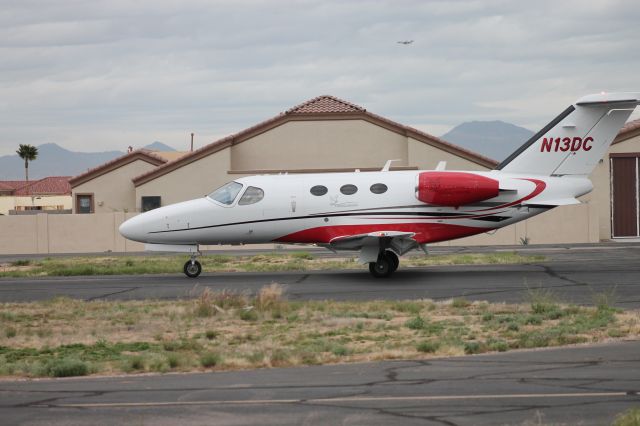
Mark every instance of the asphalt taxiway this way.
pixel 573 274
pixel 586 385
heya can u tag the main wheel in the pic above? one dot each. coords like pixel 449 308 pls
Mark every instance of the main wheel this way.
pixel 381 268
pixel 192 269
pixel 393 258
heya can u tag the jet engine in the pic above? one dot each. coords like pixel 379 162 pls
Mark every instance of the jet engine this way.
pixel 455 189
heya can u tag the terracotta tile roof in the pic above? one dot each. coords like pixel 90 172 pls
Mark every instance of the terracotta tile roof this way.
pixel 321 107
pixel 325 104
pixel 139 154
pixel 5 187
pixel 52 185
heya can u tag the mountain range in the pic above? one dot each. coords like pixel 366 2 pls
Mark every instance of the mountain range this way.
pixel 493 139
pixel 53 160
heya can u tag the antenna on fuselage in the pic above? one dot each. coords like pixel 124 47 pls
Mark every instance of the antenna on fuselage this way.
pixel 441 166
pixel 387 165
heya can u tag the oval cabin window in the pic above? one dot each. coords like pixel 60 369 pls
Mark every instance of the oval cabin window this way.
pixel 319 190
pixel 348 189
pixel 378 188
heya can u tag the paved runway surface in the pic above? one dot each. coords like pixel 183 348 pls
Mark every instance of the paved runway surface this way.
pixel 575 274
pixel 580 385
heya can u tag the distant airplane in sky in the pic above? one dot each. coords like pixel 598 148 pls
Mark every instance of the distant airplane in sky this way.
pixel 385 214
pixel 405 42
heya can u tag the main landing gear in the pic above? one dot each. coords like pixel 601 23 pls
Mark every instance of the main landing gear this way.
pixel 192 268
pixel 386 264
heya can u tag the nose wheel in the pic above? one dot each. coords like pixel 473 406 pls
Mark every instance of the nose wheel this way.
pixel 192 268
pixel 386 264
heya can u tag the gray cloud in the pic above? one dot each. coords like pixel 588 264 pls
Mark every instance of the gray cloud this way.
pixel 108 74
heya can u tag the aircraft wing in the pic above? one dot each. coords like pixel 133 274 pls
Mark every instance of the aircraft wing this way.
pixel 369 244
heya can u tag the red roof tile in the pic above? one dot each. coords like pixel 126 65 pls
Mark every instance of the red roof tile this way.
pixel 52 185
pixel 325 104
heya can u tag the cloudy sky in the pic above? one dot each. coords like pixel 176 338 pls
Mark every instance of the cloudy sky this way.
pixel 100 75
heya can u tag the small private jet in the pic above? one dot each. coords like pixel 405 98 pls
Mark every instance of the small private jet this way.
pixel 385 214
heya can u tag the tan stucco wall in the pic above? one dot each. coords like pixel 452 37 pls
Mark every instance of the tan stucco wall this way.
pixel 9 202
pixel 114 191
pixel 562 225
pixel 96 233
pixel 68 233
pixel 601 178
pixel 427 157
pixel 190 181
pixel 320 144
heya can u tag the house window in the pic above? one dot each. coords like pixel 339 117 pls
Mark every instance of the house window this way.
pixel 150 203
pixel 84 203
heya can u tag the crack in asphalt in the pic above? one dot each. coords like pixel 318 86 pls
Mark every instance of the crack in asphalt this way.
pixel 103 296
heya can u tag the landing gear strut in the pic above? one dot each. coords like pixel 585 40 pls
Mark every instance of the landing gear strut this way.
pixel 192 268
pixel 386 264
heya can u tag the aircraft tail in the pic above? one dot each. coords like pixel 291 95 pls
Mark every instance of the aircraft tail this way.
pixel 574 142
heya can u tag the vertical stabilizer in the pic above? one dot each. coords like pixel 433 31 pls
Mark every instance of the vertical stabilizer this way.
pixel 574 142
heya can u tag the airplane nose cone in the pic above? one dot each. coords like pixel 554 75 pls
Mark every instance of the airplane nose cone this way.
pixel 132 229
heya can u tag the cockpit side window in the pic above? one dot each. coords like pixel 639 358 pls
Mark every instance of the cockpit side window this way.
pixel 226 193
pixel 251 196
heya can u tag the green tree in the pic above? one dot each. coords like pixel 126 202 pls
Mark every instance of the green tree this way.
pixel 27 153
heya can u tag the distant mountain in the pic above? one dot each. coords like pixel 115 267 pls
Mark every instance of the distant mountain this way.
pixel 493 139
pixel 53 160
pixel 159 146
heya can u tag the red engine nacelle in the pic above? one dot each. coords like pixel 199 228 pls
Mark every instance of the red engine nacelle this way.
pixel 455 188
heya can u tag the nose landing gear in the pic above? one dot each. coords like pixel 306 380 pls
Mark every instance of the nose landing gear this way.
pixel 192 268
pixel 386 264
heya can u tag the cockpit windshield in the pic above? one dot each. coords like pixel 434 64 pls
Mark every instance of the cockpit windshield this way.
pixel 226 193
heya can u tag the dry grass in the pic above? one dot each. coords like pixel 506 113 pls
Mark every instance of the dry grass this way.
pixel 229 330
pixel 300 261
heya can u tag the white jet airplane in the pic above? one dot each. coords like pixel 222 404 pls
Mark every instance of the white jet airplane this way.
pixel 385 214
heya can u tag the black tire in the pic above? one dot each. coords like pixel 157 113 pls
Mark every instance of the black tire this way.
pixel 382 268
pixel 192 270
pixel 393 258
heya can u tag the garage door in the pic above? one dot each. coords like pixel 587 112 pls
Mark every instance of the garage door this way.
pixel 624 188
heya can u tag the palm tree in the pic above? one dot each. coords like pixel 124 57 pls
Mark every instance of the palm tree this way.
pixel 27 153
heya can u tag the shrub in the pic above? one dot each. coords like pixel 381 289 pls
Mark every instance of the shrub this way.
pixel 10 332
pixel 66 367
pixel 21 262
pixel 472 347
pixel 630 417
pixel 136 363
pixel 209 359
pixel 542 301
pixel 486 317
pixel 204 304
pixel 340 350
pixel 427 346
pixel 173 360
pixel 210 334
pixel 248 314
pixel 460 302
pixel 499 346
pixel 415 323
pixel 269 298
